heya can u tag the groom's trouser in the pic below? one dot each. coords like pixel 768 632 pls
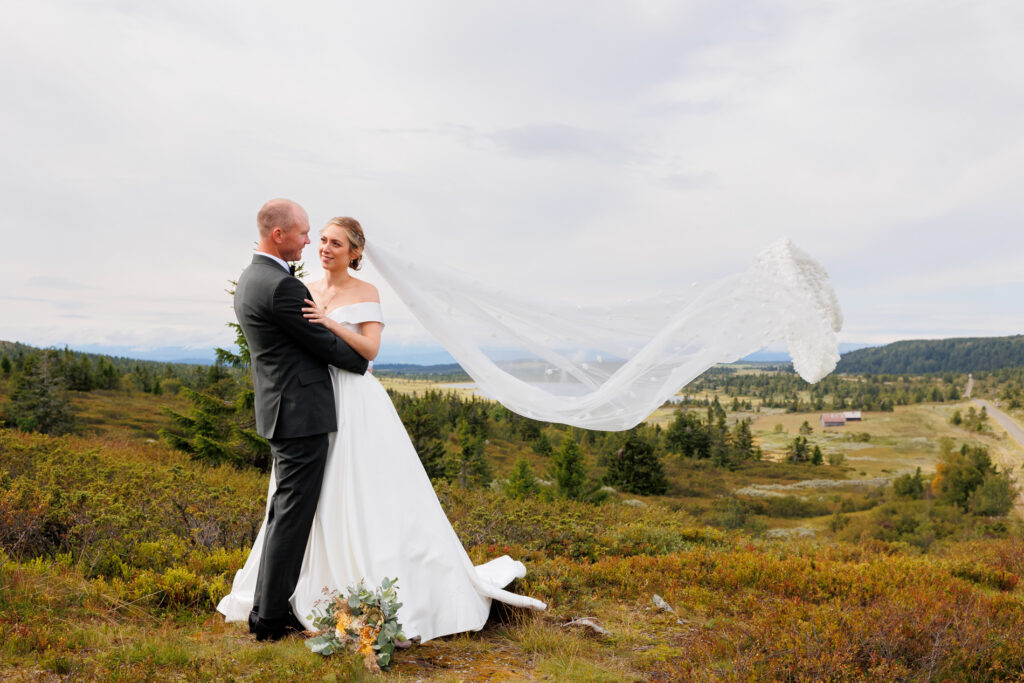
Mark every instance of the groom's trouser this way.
pixel 299 471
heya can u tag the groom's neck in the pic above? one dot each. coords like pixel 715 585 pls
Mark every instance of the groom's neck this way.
pixel 268 247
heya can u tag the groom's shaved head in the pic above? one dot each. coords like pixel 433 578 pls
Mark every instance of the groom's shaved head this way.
pixel 278 213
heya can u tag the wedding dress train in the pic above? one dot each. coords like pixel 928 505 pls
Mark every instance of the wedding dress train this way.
pixel 378 516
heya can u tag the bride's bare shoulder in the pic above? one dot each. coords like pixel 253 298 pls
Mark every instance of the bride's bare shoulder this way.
pixel 366 291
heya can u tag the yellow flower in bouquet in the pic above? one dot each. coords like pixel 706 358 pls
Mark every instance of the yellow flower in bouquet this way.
pixel 343 623
pixel 367 636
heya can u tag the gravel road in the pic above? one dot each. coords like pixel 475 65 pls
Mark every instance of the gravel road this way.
pixel 1004 420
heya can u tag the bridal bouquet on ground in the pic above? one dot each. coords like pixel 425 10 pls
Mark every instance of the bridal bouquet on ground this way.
pixel 365 622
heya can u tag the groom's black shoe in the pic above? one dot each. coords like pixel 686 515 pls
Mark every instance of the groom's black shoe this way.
pixel 274 629
pixel 292 624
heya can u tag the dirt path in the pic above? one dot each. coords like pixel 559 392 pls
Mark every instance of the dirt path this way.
pixel 1010 463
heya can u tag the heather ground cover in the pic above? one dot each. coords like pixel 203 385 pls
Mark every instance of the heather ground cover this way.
pixel 117 549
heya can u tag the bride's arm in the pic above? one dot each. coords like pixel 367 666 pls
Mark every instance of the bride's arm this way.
pixel 366 342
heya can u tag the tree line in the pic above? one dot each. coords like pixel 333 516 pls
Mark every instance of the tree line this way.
pixel 783 388
pixel 451 434
pixel 39 382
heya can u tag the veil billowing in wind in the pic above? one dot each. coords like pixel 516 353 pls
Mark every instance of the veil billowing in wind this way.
pixel 610 367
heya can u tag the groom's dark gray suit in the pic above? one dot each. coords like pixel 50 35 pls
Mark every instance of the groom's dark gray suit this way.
pixel 295 411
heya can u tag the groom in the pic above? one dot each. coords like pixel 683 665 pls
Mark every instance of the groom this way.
pixel 295 408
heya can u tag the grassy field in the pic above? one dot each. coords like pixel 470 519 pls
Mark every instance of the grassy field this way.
pixel 421 386
pixel 895 443
pixel 118 548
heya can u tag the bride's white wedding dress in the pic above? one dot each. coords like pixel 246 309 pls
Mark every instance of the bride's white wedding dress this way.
pixel 378 517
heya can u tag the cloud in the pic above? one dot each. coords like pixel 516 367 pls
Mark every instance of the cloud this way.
pixel 688 181
pixel 560 140
pixel 571 150
pixel 55 282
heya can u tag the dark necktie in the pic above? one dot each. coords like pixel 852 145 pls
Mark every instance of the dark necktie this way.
pixel 291 270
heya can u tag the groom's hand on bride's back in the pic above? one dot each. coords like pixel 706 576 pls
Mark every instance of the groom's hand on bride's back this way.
pixel 289 299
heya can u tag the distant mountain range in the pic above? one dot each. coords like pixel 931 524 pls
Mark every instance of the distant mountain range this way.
pixel 408 357
pixel 163 354
pixel 782 356
pixel 405 355
pixel 967 354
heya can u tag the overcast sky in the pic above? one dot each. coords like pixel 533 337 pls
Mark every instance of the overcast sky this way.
pixel 577 150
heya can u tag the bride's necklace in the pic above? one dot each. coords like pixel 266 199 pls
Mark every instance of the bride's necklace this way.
pixel 327 302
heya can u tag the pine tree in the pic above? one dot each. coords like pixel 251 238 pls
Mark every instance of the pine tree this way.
pixel 106 375
pixel 743 442
pixel 78 371
pixel 39 400
pixel 221 427
pixel 909 485
pixel 216 432
pixel 721 446
pixel 567 468
pixel 636 468
pixel 542 445
pixel 469 466
pixel 425 434
pixel 5 365
pixel 522 483
pixel 529 429
pixel 687 436
pixel 798 450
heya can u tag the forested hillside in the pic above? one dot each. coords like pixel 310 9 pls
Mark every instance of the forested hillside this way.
pixel 967 354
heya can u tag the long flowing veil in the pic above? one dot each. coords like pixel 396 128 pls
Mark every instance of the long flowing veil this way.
pixel 610 367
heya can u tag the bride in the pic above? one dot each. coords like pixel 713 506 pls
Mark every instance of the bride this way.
pixel 378 515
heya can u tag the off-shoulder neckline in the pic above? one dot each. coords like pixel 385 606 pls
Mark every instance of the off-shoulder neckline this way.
pixel 358 303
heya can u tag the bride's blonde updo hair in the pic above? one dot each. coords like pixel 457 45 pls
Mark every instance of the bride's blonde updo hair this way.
pixel 356 239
